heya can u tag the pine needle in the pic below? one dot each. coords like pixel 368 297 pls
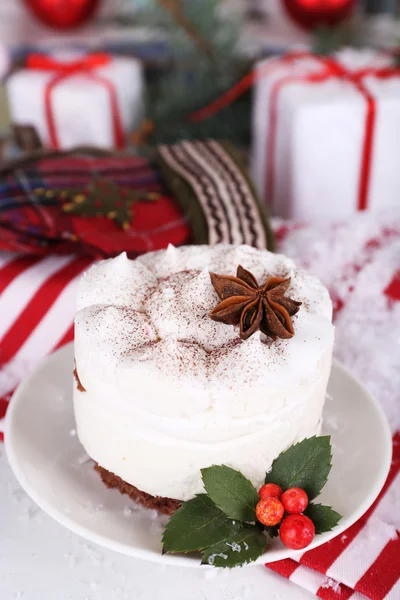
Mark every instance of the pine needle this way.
pixel 175 10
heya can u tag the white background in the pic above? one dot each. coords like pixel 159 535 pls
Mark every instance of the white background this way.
pixel 40 560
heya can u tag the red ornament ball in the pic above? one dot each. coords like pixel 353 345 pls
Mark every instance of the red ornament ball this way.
pixel 297 531
pixel 62 14
pixel 269 511
pixel 294 500
pixel 312 13
pixel 270 490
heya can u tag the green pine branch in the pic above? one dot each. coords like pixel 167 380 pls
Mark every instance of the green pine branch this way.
pixel 201 63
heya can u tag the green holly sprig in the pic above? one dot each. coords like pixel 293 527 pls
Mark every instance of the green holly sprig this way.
pixel 104 198
pixel 222 523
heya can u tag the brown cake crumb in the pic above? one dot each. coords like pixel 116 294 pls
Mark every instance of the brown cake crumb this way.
pixel 78 381
pixel 166 506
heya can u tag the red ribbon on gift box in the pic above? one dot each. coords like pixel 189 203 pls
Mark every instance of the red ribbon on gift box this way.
pixel 330 69
pixel 86 65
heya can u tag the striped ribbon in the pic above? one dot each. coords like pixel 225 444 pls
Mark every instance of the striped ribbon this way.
pixel 229 204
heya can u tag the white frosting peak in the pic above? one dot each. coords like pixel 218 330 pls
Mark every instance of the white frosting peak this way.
pixel 115 281
pixel 173 292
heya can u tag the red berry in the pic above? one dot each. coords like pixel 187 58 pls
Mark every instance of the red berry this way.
pixel 294 500
pixel 297 531
pixel 269 511
pixel 270 490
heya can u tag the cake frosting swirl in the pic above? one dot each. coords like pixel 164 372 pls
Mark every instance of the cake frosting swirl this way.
pixel 170 391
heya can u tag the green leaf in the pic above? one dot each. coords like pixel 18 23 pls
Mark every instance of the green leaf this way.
pixel 197 525
pixel 272 530
pixel 305 465
pixel 323 517
pixel 245 546
pixel 235 495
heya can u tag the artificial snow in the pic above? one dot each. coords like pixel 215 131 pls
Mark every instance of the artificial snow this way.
pixel 357 260
pixel 235 547
pixel 333 584
pixel 212 557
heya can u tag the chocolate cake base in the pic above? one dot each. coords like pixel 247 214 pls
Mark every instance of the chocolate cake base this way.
pixel 166 506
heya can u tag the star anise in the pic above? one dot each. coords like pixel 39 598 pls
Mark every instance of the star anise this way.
pixel 252 307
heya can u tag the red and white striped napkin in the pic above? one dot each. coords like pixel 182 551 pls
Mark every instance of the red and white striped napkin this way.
pixel 360 263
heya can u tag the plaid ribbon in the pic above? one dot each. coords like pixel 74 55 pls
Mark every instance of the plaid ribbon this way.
pixel 223 210
pixel 39 226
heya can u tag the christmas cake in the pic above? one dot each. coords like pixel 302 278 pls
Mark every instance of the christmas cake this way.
pixel 197 356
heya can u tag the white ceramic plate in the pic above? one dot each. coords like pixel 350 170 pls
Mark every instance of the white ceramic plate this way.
pixel 51 465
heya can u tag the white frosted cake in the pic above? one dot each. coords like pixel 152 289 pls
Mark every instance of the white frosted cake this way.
pixel 165 390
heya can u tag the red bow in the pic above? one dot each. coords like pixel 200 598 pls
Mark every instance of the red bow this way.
pixel 62 70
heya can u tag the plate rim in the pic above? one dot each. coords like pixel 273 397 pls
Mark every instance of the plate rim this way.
pixel 179 559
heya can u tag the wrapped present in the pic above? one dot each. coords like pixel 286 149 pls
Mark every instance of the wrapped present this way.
pixel 326 133
pixel 94 99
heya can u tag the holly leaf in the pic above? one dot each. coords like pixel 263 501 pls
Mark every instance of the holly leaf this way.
pixel 323 517
pixel 246 545
pixel 272 530
pixel 305 465
pixel 235 495
pixel 197 525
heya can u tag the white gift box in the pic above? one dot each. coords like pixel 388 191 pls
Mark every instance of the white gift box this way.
pixel 326 144
pixel 80 103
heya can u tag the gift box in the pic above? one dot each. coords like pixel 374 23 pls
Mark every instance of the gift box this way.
pixel 90 100
pixel 326 137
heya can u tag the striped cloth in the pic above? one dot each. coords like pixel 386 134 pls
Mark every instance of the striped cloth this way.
pixel 37 309
pixel 359 261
